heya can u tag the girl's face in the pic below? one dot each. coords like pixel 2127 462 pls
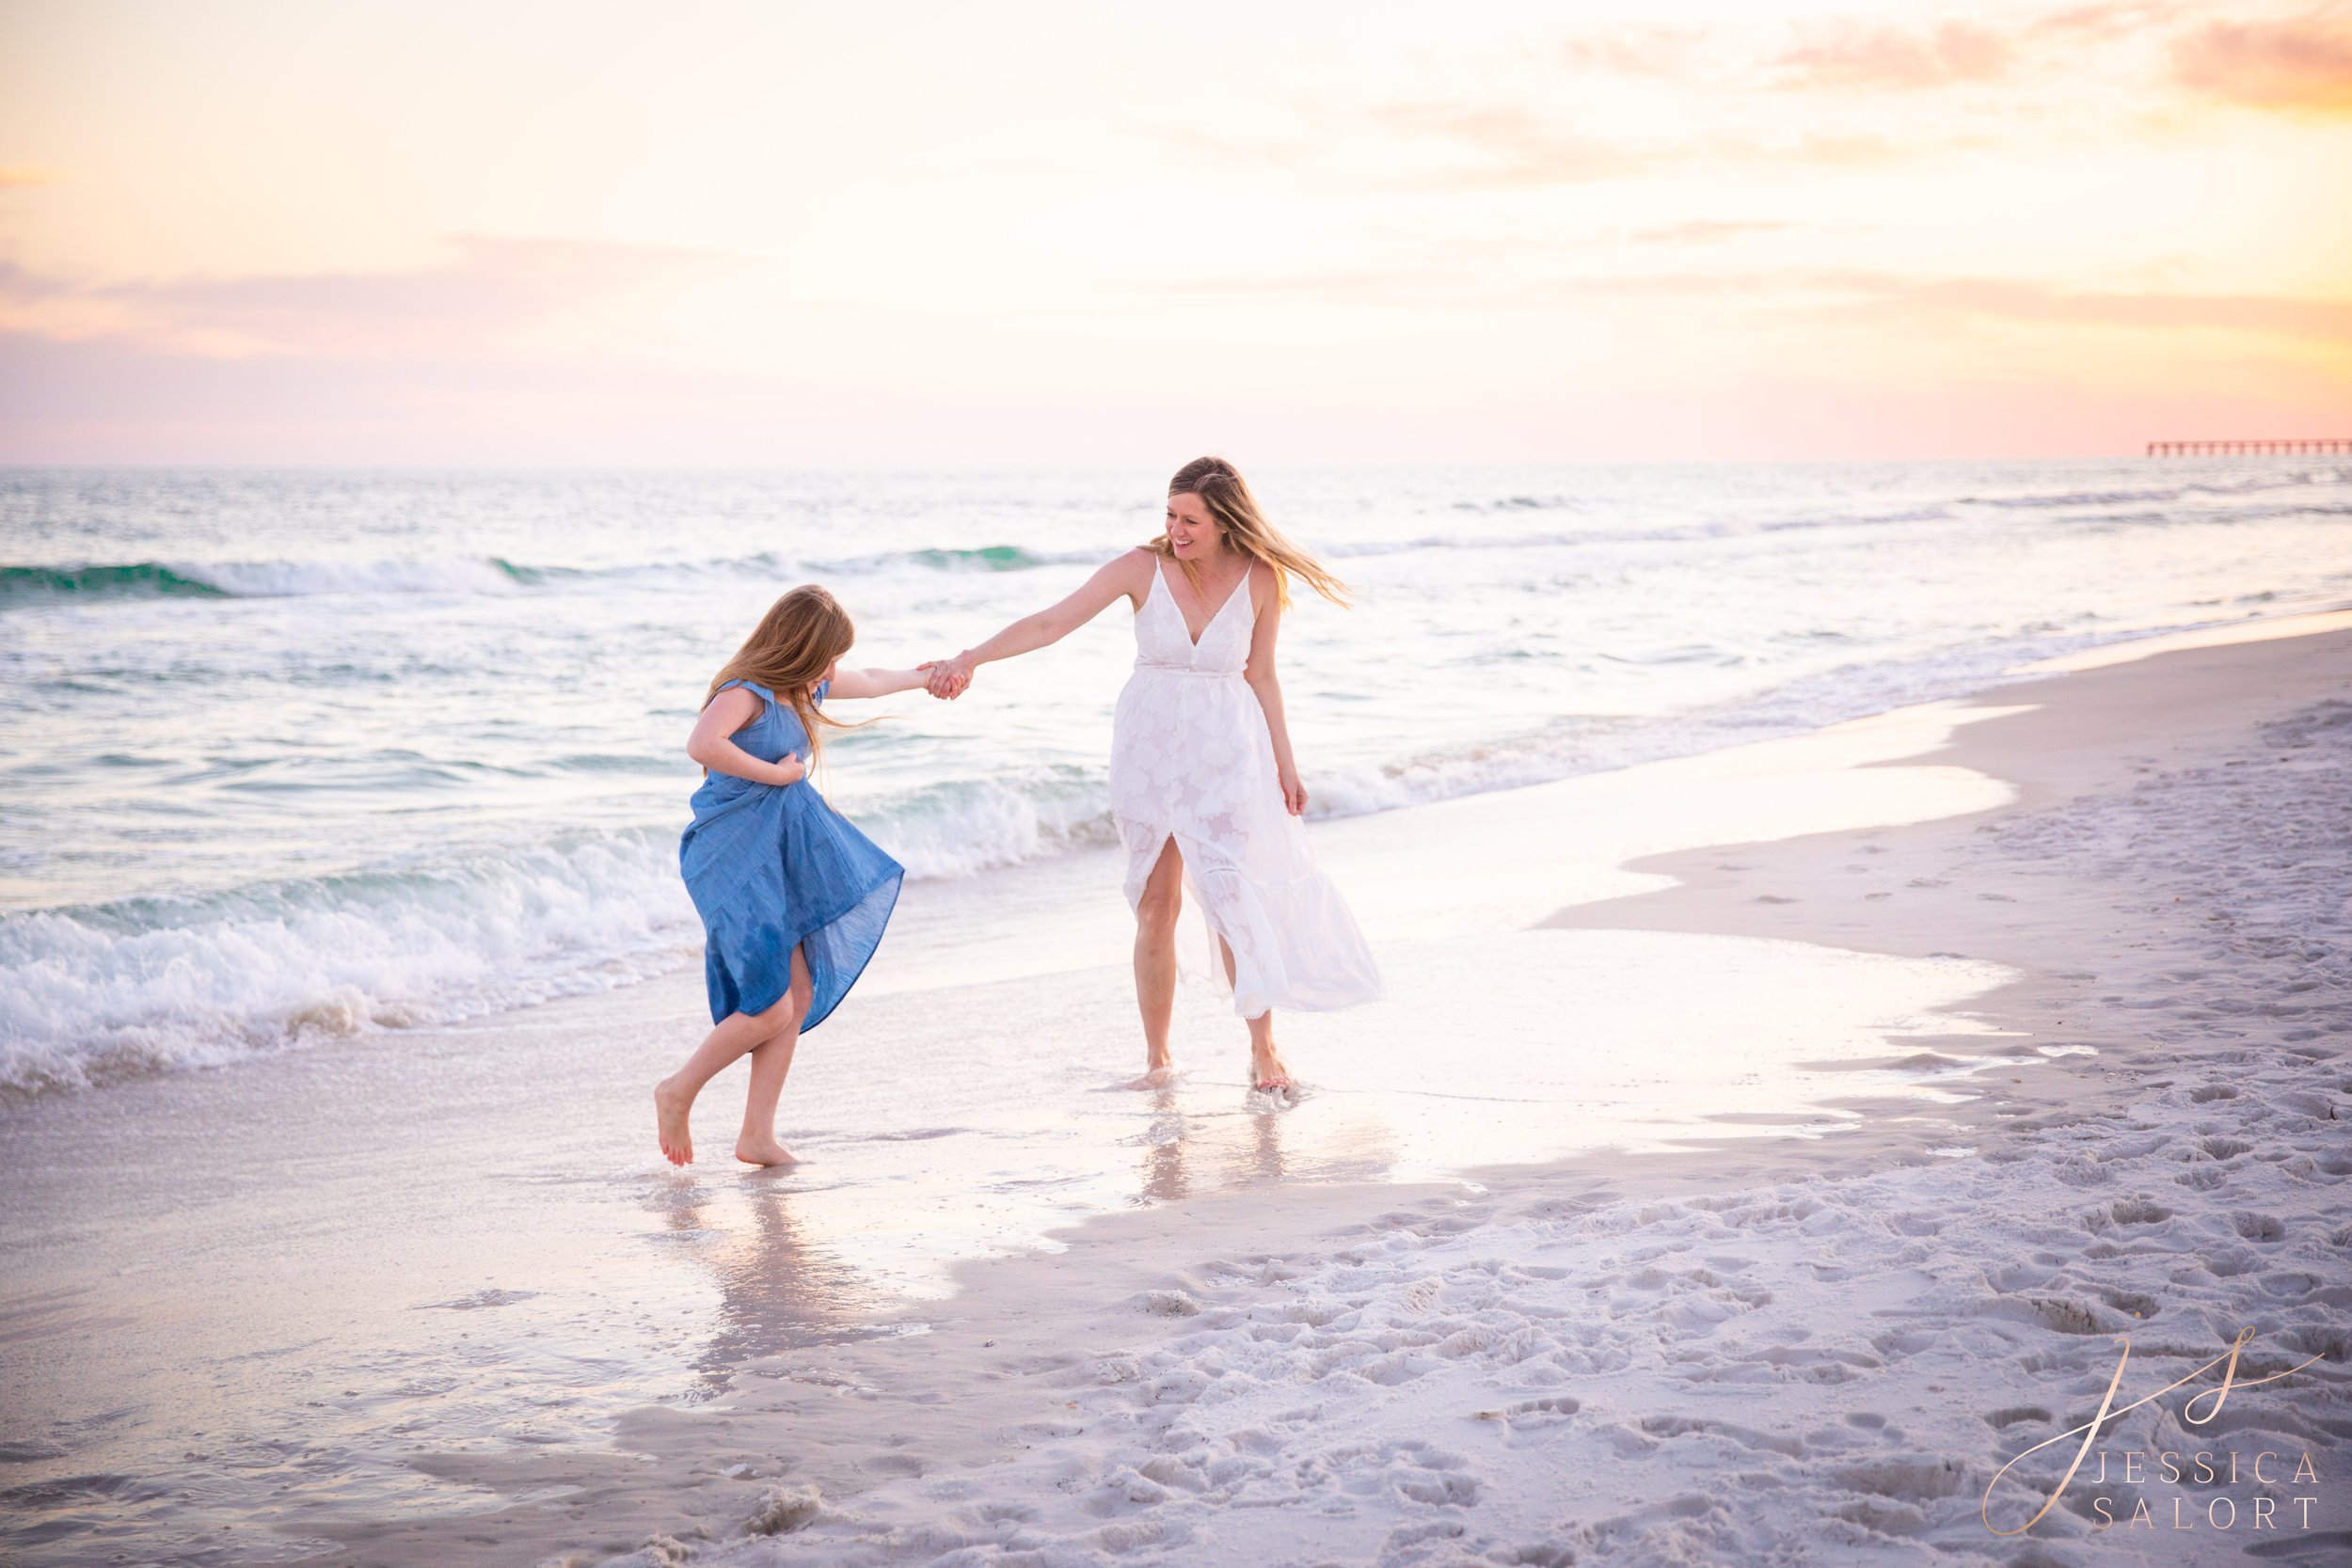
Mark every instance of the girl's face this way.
pixel 1191 531
pixel 833 671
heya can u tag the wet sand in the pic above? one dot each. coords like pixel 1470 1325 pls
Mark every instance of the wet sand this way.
pixel 426 1297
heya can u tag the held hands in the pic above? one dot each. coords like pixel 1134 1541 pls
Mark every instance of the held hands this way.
pixel 950 679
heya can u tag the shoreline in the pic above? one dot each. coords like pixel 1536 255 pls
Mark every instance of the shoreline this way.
pixel 225 1023
pixel 889 1369
pixel 904 1440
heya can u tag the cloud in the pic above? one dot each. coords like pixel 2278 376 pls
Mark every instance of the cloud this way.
pixel 1816 292
pixel 1895 344
pixel 2276 315
pixel 1668 54
pixel 2298 67
pixel 1706 230
pixel 1265 152
pixel 1726 100
pixel 1505 147
pixel 1941 300
pixel 491 292
pixel 2099 23
pixel 1514 147
pixel 1891 59
pixel 1850 55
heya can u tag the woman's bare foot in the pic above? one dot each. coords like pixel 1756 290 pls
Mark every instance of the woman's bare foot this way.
pixel 670 1107
pixel 1266 1071
pixel 1159 1077
pixel 764 1151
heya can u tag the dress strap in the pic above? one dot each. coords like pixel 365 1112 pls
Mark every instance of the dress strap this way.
pixel 768 698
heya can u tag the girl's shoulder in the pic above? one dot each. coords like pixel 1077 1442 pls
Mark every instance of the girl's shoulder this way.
pixel 752 687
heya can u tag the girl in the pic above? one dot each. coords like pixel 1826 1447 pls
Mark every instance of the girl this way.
pixel 793 898
pixel 1202 783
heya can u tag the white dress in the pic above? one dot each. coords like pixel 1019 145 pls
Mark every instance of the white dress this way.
pixel 1192 758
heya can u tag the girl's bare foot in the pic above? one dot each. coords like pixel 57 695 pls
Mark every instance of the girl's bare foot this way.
pixel 670 1107
pixel 1159 1077
pixel 764 1151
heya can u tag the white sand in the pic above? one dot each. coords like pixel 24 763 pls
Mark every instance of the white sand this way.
pixel 1759 1343
pixel 1555 1368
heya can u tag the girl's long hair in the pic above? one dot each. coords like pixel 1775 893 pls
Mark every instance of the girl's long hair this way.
pixel 789 651
pixel 1227 496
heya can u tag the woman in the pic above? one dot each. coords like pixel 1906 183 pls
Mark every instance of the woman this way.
pixel 1202 782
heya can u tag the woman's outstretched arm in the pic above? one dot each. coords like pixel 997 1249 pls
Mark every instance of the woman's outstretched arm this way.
pixel 1259 673
pixel 1123 577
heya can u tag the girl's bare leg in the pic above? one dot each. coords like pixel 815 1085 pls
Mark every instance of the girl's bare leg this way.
pixel 1266 1071
pixel 772 1059
pixel 1163 900
pixel 673 1097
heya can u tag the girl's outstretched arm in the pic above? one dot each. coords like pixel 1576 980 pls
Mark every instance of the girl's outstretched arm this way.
pixel 875 683
pixel 712 743
pixel 1124 578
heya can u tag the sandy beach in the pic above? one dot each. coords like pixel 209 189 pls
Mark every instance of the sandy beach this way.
pixel 1760 1150
pixel 1757 598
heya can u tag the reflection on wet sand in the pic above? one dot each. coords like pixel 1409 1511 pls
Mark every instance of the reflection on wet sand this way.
pixel 1163 1146
pixel 1205 1143
pixel 1265 1150
pixel 1238 1149
pixel 571 1274
pixel 779 1287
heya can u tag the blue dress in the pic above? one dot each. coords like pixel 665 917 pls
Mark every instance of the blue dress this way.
pixel 771 866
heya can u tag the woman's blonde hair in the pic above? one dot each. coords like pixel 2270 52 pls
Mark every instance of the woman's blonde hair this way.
pixel 1227 496
pixel 790 652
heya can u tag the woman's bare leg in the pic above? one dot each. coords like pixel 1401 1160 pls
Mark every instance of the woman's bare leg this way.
pixel 1266 1071
pixel 673 1097
pixel 1163 900
pixel 772 1059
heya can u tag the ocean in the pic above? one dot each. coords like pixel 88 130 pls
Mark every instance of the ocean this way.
pixel 308 753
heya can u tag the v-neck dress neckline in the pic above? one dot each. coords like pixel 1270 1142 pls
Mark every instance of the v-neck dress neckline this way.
pixel 1215 615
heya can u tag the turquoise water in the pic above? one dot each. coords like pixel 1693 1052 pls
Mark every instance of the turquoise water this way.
pixel 319 750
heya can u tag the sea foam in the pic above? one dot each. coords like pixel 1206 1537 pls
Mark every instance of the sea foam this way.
pixel 109 991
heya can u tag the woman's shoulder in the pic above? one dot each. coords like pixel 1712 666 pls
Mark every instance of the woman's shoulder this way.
pixel 1129 572
pixel 1265 584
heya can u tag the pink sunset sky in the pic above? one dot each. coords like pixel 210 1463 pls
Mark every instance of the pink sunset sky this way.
pixel 713 233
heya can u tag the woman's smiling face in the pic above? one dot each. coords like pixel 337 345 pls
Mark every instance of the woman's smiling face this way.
pixel 1191 531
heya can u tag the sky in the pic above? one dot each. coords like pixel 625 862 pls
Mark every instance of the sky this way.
pixel 710 233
